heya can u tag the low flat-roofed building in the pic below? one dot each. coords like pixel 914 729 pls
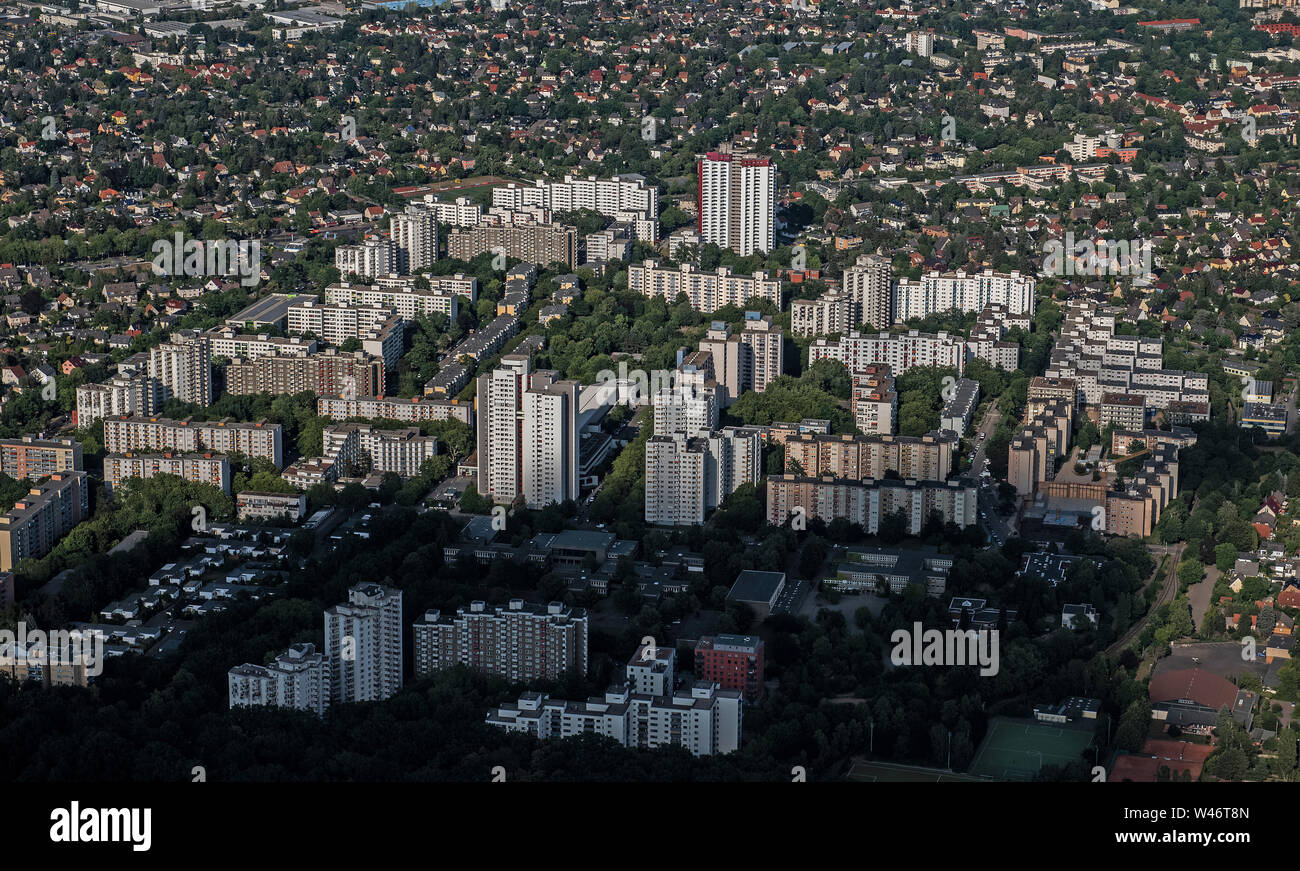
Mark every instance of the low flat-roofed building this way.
pixel 1266 416
pixel 759 590
pixel 869 569
pixel 254 505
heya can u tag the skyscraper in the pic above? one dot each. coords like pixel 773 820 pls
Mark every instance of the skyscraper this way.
pixel 737 201
pixel 363 643
pixel 183 367
pixel 869 283
pixel 415 239
pixel 527 434
pixel 550 440
pixel 687 476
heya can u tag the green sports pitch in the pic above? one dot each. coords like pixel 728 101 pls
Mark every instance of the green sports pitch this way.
pixel 1017 749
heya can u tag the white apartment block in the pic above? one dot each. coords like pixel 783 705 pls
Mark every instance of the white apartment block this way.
pixel 121 394
pixel 211 469
pixel 230 343
pixel 381 332
pixel 550 441
pixel 899 351
pixel 868 502
pixel 737 197
pixel 413 410
pixel 1100 361
pixel 986 337
pixel 183 368
pixel 298 678
pixel 254 505
pixel 124 435
pixel 414 234
pixel 920 42
pixel 703 718
pixel 363 644
pixel 401 451
pixel 869 283
pixel 527 434
pixel 689 475
pixel 687 409
pixel 749 360
pixel 520 642
pixel 674 480
pixel 831 313
pixel 706 291
pixel 936 293
pixel 335 323
pixel 370 258
pixel 620 198
pixel 405 299
pixel 461 212
pixel 874 401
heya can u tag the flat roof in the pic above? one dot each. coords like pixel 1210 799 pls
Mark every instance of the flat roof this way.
pixel 755 586
pixel 270 309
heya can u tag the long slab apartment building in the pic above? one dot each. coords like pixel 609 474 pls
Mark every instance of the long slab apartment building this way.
pixel 868 502
pixel 38 520
pixel 706 291
pixel 413 409
pixel 206 468
pixel 924 458
pixel 520 642
pixel 392 292
pixel 533 241
pixel 869 294
pixel 648 710
pixel 899 351
pixel 30 457
pixel 332 371
pixel 123 435
pixel 625 198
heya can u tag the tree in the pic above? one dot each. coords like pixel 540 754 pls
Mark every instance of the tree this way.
pixel 1132 732
pixel 1225 556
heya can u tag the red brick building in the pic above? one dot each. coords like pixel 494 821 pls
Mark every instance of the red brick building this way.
pixel 733 661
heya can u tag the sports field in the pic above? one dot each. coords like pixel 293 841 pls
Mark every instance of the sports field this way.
pixel 1016 749
pixel 889 772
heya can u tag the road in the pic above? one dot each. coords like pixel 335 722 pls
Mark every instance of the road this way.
pixel 995 527
pixel 1167 593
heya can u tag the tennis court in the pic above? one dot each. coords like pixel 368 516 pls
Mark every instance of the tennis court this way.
pixel 889 772
pixel 1017 749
